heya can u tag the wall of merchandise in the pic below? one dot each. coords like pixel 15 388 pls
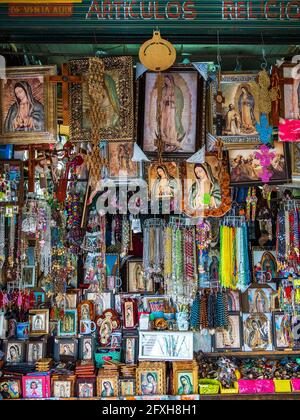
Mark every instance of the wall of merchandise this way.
pixel 149 241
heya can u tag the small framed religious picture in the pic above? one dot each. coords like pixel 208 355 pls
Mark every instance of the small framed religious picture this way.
pixel 178 119
pixel 257 332
pixel 39 298
pixel 164 181
pixel 102 301
pixel 240 109
pixel 14 351
pixel 248 166
pixel 120 163
pixel 234 300
pixel 38 322
pixel 290 88
pixel 107 323
pixel 66 300
pixel 10 388
pixel 28 276
pixel 36 350
pixel 62 387
pixel 28 106
pixel 107 385
pixel 127 387
pixel 87 347
pixel 185 378
pixel 136 279
pixel 130 348
pixel 265 268
pixel 282 331
pixel 11 182
pixel 36 386
pixel 295 322
pixel 230 338
pixel 85 311
pixel 3 324
pixel 207 187
pixel 130 313
pixel 260 300
pixel 65 349
pixel 151 378
pixel 67 326
pixel 114 75
pixel 86 387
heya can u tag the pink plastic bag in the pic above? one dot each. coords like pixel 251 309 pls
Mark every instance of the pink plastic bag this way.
pixel 264 386
pixel 295 385
pixel 246 386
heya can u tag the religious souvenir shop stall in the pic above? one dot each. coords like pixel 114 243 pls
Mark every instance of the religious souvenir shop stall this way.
pixel 149 201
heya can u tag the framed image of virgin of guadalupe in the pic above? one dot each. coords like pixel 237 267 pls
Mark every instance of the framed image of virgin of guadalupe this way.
pixel 180 114
pixel 28 106
pixel 115 85
pixel 206 191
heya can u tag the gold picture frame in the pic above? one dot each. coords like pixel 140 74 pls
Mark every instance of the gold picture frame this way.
pixel 107 384
pixel 38 322
pixel 118 73
pixel 32 85
pixel 188 371
pixel 151 378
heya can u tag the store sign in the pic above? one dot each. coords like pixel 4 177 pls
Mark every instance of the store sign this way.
pixel 58 10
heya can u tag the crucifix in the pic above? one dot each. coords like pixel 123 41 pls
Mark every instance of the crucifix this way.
pixel 65 79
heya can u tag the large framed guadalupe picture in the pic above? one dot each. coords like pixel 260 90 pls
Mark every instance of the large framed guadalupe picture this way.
pixel 172 108
pixel 28 106
pixel 115 87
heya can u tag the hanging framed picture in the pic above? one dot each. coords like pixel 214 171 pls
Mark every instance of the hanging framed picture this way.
pixel 120 163
pixel 28 276
pixel 230 338
pixel 206 187
pixel 180 113
pixel 246 166
pixel 290 90
pixel 11 182
pixel 116 118
pixel 28 106
pixel 130 313
pixel 130 348
pixel 240 109
pixel 257 332
pixel 67 326
pixel 264 264
pixel 282 331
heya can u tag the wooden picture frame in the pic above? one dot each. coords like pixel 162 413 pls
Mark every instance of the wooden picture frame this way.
pixel 231 338
pixel 35 350
pixel 130 347
pixel 127 387
pixel 244 171
pixel 151 378
pixel 40 124
pixel 65 349
pixel 87 345
pixel 185 378
pixel 86 387
pixel 259 300
pixel 114 73
pixel 11 388
pixel 38 322
pixel 15 181
pixel 107 384
pixel 62 386
pixel 214 172
pixel 241 134
pixel 68 325
pixel 190 100
pixel 136 283
pixel 263 264
pixel 130 313
pixel 14 350
pixel 280 334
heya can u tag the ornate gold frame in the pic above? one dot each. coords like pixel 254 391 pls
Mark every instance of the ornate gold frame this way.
pixel 125 132
pixel 34 312
pixel 183 367
pixel 112 377
pixel 159 368
pixel 47 136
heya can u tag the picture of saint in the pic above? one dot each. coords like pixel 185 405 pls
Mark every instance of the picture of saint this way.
pixel 38 323
pixel 127 388
pixel 35 352
pixel 34 389
pixel 107 389
pixel 233 122
pixel 246 111
pixel 259 300
pixel 129 322
pixel 149 383
pixel 68 324
pixel 136 279
pixel 230 337
pixel 25 111
pixel 110 103
pixel 265 266
pixel 292 92
pixel 105 332
pixel 14 353
pixel 205 190
pixel 120 163
pixel 257 332
pixel 62 389
pixel 163 181
pixel 66 350
pixel 28 276
pixel 85 390
pixel 283 331
pixel 233 299
pixel 171 114
pixel 185 382
pixel 85 312
pixel 130 351
pixel 87 350
pixel 10 390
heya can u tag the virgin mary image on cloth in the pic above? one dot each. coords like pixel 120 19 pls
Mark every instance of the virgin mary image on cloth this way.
pixel 23 105
pixel 171 114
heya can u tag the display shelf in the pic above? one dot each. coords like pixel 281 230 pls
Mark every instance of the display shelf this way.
pixel 253 354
